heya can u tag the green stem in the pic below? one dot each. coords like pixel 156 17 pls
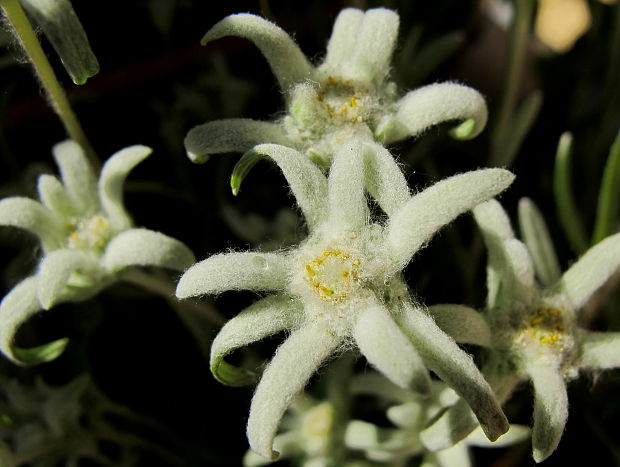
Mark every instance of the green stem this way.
pixel 608 207
pixel 524 10
pixel 55 93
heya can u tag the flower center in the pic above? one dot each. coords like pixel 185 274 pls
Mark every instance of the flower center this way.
pixel 332 275
pixel 344 102
pixel 90 233
pixel 546 325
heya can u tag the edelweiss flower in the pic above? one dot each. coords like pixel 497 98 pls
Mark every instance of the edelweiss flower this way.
pixel 534 327
pixel 349 91
pixel 87 239
pixel 343 285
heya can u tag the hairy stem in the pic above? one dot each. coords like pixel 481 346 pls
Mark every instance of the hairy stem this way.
pixel 22 29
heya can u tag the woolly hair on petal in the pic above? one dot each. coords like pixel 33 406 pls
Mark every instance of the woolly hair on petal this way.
pixel 385 180
pixel 143 247
pixel 591 271
pixel 464 324
pixel 53 196
pixel 69 275
pixel 342 41
pixel 231 135
pixel 305 179
pixel 348 209
pixel 78 176
pixel 15 309
pixel 550 408
pixel 235 271
pixel 425 213
pixel 430 105
pixel 456 368
pixel 599 350
pixel 297 358
pixel 27 214
pixel 386 347
pixel 264 318
pixel 113 175
pixel 376 39
pixel 287 61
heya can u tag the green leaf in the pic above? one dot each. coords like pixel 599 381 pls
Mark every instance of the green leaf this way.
pixel 608 210
pixel 62 27
pixel 570 218
pixel 538 241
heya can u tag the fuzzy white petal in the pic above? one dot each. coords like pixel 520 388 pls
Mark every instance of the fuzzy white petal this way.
pixel 348 209
pixel 433 104
pixel 16 308
pixel 343 40
pixel 536 237
pixel 143 247
pixel 389 350
pixel 53 196
pixel 305 179
pixel 235 271
pixel 264 318
pixel 27 214
pixel 599 350
pixel 456 368
pixel 113 175
pixel 464 324
pixel 425 213
pixel 69 275
pixel 288 372
pixel 550 408
pixel 77 176
pixel 375 42
pixel 230 135
pixel 384 179
pixel 288 63
pixel 509 262
pixel 592 270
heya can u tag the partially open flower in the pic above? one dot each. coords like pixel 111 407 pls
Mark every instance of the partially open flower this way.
pixel 348 93
pixel 343 285
pixel 87 239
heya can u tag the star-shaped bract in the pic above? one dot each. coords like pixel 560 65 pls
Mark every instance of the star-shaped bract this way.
pixel 87 238
pixel 343 285
pixel 348 91
pixel 533 323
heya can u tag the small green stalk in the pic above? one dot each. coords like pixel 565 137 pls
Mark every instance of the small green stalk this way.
pixel 22 29
pixel 524 11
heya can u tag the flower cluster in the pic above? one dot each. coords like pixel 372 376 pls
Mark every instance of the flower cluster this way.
pixel 87 238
